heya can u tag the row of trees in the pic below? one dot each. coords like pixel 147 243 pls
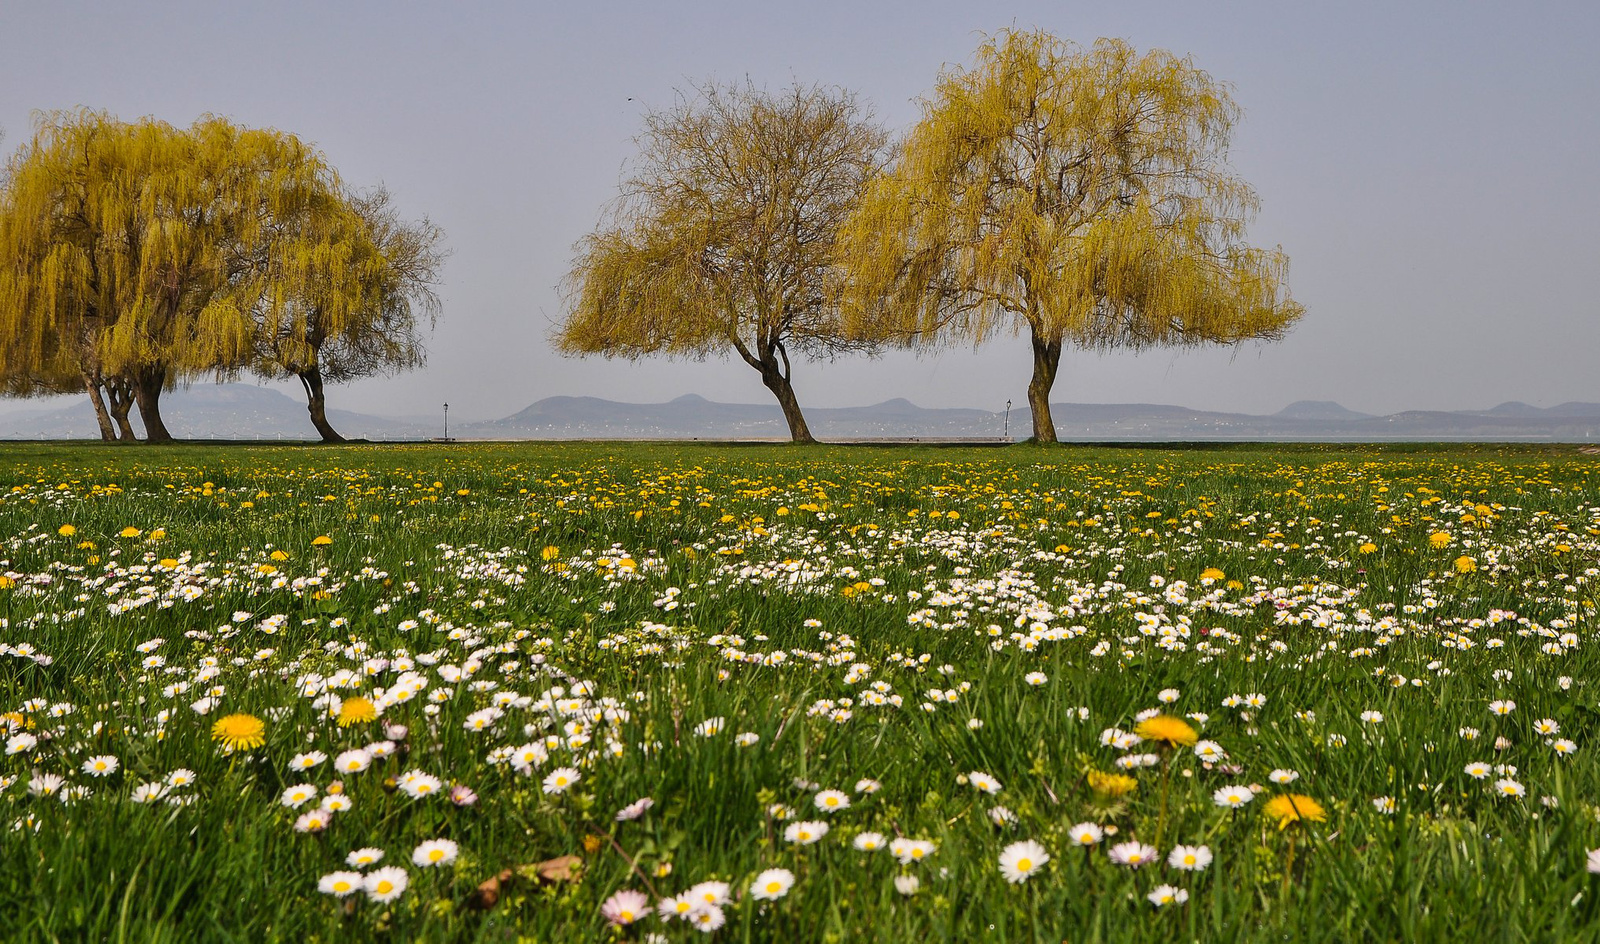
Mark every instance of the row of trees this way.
pixel 1081 196
pixel 137 255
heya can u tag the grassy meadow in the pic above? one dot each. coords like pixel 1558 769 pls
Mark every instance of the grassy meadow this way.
pixel 596 692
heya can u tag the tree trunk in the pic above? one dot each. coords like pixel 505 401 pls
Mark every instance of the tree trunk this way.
pixel 120 389
pixel 91 383
pixel 776 379
pixel 148 382
pixel 317 405
pixel 1046 358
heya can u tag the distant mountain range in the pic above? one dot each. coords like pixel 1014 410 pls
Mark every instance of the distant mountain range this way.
pixel 242 411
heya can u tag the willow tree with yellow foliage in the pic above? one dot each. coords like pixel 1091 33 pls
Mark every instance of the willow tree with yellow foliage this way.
pixel 137 255
pixel 351 297
pixel 723 238
pixel 1080 195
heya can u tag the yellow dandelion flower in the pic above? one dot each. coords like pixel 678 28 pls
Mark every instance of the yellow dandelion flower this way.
pixel 1289 808
pixel 1438 539
pixel 1367 548
pixel 321 540
pixel 279 556
pixel 1111 785
pixel 550 552
pixel 239 732
pixel 356 710
pixel 1173 732
pixel 66 530
pixel 131 532
pixel 1212 573
pixel 1465 564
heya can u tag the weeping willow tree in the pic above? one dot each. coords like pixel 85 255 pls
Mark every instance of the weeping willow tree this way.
pixel 1082 195
pixel 350 298
pixel 723 238
pixel 220 193
pixel 136 255
pixel 71 226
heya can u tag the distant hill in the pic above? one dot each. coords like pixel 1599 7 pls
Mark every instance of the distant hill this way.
pixel 244 411
pixel 694 417
pixel 210 411
pixel 1319 410
pixel 691 417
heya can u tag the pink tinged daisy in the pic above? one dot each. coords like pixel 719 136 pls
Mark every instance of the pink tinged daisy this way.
pixel 1086 834
pixel 634 810
pixel 1478 771
pixel 1563 746
pixel 340 884
pixel 1509 788
pixel 336 803
pixel 868 785
pixel 1502 708
pixel 907 885
pixel 1190 858
pixel 1133 854
pixel 1594 860
pixel 707 919
pixel 772 884
pixel 435 852
pixel 361 858
pixel 103 765
pixel 561 779
pixel 805 833
pixel 1163 895
pixel 182 777
pixel 832 801
pixel 386 884
pixel 625 907
pixel 1020 860
pixel 463 795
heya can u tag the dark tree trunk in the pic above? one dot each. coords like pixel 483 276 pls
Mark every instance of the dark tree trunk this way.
pixel 317 405
pixel 91 383
pixel 776 378
pixel 148 382
pixel 120 391
pixel 1046 358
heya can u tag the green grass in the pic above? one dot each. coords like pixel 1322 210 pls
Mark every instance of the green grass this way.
pixel 1084 564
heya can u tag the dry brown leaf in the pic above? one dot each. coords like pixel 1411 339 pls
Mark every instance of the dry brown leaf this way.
pixel 489 891
pixel 560 869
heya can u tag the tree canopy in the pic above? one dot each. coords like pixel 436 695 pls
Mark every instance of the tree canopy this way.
pixel 723 238
pixel 1081 194
pixel 135 255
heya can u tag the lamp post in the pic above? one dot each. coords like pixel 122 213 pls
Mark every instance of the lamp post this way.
pixel 447 422
pixel 1006 429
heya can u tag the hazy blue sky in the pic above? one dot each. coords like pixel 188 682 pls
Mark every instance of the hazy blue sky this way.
pixel 1431 170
